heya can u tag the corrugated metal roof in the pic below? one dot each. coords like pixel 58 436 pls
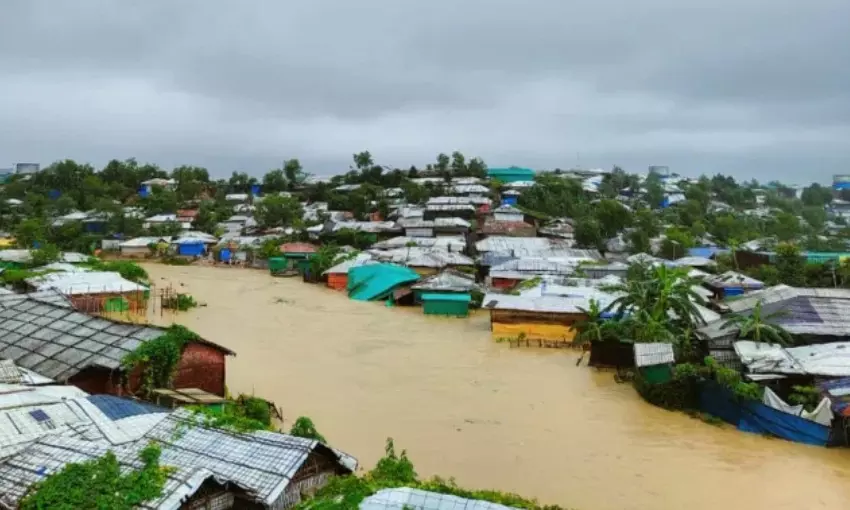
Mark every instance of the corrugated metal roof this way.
pixel 803 311
pixel 653 354
pixel 58 342
pixel 361 259
pixel 435 223
pixel 534 266
pixel 86 282
pixel 447 243
pixel 544 303
pixel 458 201
pixel 694 262
pixel 734 279
pixel 450 207
pixel 418 499
pixel 367 226
pixel 470 188
pixel 261 463
pixel 448 280
pixel 139 242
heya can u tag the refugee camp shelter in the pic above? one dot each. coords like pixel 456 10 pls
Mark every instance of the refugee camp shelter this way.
pixel 377 281
pixel 507 274
pixel 94 291
pixel 546 318
pixel 42 332
pixel 447 281
pixel 212 468
pixel 810 315
pixel 655 361
pixel 338 274
pixel 139 247
pixel 297 255
pixel 510 174
pixel 731 284
pixel 454 304
pixel 190 247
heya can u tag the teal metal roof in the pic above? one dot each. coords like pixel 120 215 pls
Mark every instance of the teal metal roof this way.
pixel 510 170
pixel 446 296
pixel 376 281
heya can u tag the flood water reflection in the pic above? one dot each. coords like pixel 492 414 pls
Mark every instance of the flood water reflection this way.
pixel 525 420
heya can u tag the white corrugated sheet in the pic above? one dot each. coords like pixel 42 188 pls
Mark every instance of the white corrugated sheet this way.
pixel 653 354
pixel 92 282
pixel 417 499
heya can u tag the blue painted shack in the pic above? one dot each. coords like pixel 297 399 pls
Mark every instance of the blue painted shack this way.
pixel 190 247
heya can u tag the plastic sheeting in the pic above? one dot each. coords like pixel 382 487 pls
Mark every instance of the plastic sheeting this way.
pixel 773 400
pixel 759 418
pixel 822 413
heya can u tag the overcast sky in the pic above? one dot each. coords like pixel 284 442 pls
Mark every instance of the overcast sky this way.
pixel 755 88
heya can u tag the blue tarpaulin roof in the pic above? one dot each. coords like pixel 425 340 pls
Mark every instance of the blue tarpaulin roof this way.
pixel 375 281
pixel 116 408
pixel 705 251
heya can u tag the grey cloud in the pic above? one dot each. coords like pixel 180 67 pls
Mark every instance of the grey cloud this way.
pixel 758 88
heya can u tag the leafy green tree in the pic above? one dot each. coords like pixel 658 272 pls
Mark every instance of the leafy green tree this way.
pixel 160 201
pixel 657 303
pixel 31 231
pixel 790 265
pixel 612 217
pixel 815 217
pixel 676 243
pixel 278 211
pixel 816 195
pixel 294 173
pixel 240 182
pixel 588 233
pixel 785 226
pixel 639 241
pixel 476 168
pixel 593 327
pixel 274 181
pixel 458 164
pixel 363 160
pixel 64 205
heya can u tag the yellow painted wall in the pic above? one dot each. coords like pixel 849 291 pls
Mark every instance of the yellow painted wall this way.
pixel 551 332
pixel 7 242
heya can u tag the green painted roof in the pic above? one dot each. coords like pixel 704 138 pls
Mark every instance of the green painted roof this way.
pixel 377 280
pixel 446 296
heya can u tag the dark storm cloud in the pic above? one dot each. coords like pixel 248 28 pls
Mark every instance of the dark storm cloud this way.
pixel 757 88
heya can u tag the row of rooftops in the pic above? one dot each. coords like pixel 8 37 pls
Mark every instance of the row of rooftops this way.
pixel 44 428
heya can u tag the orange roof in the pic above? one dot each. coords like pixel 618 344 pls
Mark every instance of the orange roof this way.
pixel 297 248
pixel 187 213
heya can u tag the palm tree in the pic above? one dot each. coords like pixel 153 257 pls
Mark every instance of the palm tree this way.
pixel 592 328
pixel 661 294
pixel 758 326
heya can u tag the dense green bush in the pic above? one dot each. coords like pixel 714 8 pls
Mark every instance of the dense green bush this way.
pixel 678 394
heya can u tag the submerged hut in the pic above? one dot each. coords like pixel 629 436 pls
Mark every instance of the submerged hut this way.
pixel 548 319
pixel 296 257
pixel 731 284
pixel 655 361
pixel 338 274
pixel 378 281
pixel 446 303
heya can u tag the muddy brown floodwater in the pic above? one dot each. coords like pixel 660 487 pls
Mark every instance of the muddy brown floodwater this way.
pixel 524 420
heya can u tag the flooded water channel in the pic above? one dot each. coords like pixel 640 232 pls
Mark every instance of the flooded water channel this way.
pixel 516 419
